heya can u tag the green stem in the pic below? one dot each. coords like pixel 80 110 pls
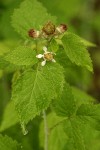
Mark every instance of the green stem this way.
pixel 45 131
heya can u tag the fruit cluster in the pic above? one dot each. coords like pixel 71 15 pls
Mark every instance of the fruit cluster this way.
pixel 48 30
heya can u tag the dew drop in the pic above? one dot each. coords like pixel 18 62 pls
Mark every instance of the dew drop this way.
pixel 24 130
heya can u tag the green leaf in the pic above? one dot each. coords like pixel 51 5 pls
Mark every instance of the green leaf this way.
pixel 65 104
pixel 6 66
pixel 9 117
pixel 87 43
pixel 21 56
pixel 54 45
pixel 6 143
pixel 87 110
pixel 92 138
pixel 3 48
pixel 75 75
pixel 81 97
pixel 35 89
pixel 76 51
pixel 57 138
pixel 30 14
pixel 72 129
pixel 90 114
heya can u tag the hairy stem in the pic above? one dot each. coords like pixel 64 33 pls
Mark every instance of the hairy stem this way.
pixel 45 131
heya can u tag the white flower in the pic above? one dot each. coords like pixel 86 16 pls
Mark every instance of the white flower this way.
pixel 47 56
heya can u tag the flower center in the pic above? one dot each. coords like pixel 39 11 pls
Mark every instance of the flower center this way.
pixel 48 56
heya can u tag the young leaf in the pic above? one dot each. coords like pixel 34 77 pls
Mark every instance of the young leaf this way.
pixel 35 89
pixel 22 56
pixel 6 143
pixel 9 117
pixel 31 14
pixel 65 105
pixel 76 51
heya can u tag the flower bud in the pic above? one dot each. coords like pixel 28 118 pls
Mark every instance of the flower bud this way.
pixel 33 33
pixel 61 28
pixel 49 28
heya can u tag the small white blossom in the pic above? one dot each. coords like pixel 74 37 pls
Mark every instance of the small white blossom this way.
pixel 47 56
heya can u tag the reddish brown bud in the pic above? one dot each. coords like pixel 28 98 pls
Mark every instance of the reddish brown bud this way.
pixel 33 33
pixel 62 28
pixel 49 28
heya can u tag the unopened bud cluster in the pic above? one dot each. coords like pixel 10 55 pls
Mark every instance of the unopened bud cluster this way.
pixel 48 30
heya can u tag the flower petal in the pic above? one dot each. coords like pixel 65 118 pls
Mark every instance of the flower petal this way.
pixel 53 60
pixel 39 56
pixel 45 49
pixel 43 63
pixel 58 29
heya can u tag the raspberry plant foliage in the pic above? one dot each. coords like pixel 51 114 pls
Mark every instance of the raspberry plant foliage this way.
pixel 42 88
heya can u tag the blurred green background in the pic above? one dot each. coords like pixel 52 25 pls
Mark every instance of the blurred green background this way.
pixel 82 18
